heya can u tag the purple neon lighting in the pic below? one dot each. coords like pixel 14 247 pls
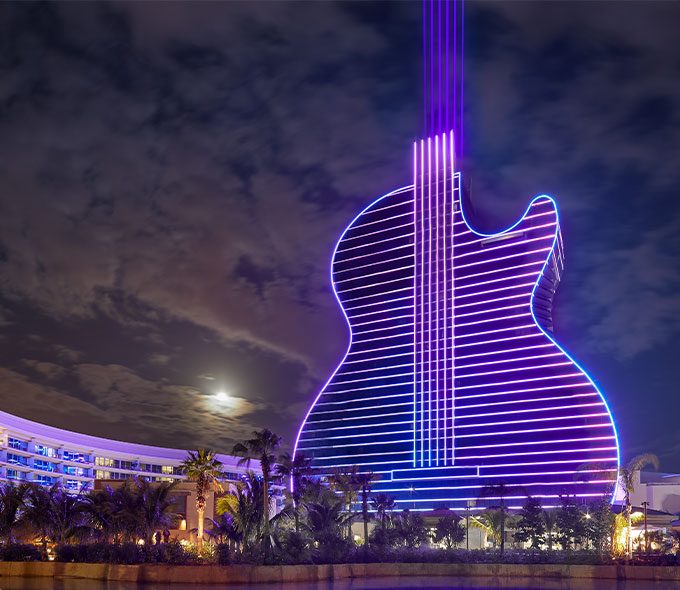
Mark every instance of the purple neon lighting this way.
pixel 433 348
pixel 525 401
pixel 512 360
pixel 337 298
pixel 553 452
pixel 513 370
pixel 476 355
pixel 525 411
pixel 376 253
pixel 409 213
pixel 490 320
pixel 478 262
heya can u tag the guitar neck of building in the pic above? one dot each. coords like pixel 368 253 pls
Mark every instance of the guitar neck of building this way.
pixel 436 201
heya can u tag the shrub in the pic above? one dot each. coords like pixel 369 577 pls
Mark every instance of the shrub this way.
pixel 19 552
pixel 126 553
pixel 223 554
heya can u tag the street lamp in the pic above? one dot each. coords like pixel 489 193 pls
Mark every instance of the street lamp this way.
pixel 469 504
pixel 644 505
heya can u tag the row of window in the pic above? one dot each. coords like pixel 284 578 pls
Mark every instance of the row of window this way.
pixel 73 456
pixel 69 484
pixel 135 466
pixel 45 451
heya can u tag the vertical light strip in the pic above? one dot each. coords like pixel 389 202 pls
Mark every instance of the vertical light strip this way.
pixel 429 301
pixel 437 298
pixel 462 72
pixel 453 295
pixel 447 77
pixel 422 304
pixel 415 294
pixel 446 300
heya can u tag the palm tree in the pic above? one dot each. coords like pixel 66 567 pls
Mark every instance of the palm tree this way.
pixel 549 518
pixel 365 482
pixel 295 469
pixel 12 503
pixel 345 483
pixel 383 505
pixel 99 507
pixel 154 504
pixel 203 468
pixel 224 530
pixel 262 447
pixel 492 522
pixel 126 514
pixel 244 505
pixel 498 491
pixel 54 514
pixel 325 521
pixel 627 475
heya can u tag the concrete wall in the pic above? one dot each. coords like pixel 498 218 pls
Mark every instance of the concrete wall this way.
pixel 249 574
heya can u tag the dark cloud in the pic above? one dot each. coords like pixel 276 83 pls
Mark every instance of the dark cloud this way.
pixel 173 183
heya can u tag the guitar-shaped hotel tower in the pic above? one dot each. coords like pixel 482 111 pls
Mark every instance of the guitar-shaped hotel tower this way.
pixel 452 380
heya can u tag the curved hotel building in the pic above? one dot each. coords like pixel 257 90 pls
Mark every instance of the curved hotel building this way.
pixel 33 452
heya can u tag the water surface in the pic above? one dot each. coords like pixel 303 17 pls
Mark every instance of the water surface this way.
pixel 411 583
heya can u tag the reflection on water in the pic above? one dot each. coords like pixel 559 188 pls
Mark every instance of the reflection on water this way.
pixel 415 583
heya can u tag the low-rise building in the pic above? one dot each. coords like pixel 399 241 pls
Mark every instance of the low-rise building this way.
pixel 34 452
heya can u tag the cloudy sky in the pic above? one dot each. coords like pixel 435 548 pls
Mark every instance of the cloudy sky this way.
pixel 173 177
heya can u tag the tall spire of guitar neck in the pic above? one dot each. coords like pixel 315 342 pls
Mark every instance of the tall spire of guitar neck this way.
pixel 443 69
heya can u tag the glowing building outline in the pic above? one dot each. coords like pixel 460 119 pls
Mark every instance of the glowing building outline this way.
pixel 430 422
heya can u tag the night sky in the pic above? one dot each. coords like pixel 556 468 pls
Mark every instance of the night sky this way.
pixel 174 176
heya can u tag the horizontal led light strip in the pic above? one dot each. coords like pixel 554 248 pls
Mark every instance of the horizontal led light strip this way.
pixel 499 280
pixel 512 360
pixel 384 303
pixel 409 289
pixel 375 274
pixel 495 384
pixel 502 247
pixel 385 219
pixel 374 264
pixel 524 401
pixel 378 231
pixel 532 430
pixel 375 253
pixel 475 239
pixel 372 286
pixel 532 420
pixel 366 417
pixel 542 452
pixel 523 254
pixel 374 243
pixel 504 269
pixel 513 392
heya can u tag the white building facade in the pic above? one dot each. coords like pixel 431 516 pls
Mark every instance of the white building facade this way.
pixel 33 452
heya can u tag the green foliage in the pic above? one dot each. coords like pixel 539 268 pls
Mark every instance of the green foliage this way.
pixel 549 520
pixel 599 525
pixel 19 552
pixel 570 523
pixel 126 553
pixel 492 522
pixel 12 504
pixel 530 527
pixel 410 530
pixel 244 505
pixel 449 531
